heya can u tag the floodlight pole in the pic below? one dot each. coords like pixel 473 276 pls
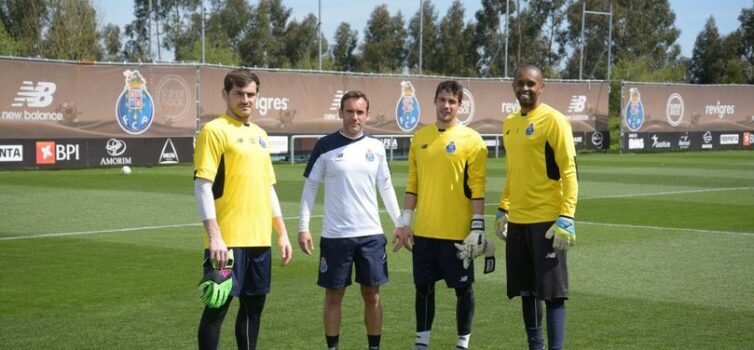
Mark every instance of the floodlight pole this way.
pixel 507 10
pixel 203 57
pixel 319 34
pixel 421 34
pixel 584 12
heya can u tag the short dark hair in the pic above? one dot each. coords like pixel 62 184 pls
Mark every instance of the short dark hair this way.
pixel 451 86
pixel 527 67
pixel 353 94
pixel 240 77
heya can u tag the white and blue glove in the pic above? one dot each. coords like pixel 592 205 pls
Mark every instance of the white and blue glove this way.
pixel 501 224
pixel 474 244
pixel 563 233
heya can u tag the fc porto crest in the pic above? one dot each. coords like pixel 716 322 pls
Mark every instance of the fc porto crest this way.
pixel 451 147
pixel 135 107
pixel 407 110
pixel 634 110
pixel 262 143
pixel 370 156
pixel 530 129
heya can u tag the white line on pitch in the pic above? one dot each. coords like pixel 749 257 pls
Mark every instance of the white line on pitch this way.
pixel 80 233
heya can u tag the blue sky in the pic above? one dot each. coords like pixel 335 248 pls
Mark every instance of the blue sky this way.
pixel 691 15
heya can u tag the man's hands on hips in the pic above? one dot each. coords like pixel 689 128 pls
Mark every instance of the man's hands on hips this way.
pixel 563 233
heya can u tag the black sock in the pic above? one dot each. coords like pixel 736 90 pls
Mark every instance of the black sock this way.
pixel 248 321
pixel 464 309
pixel 332 341
pixel 532 310
pixel 210 324
pixel 425 307
pixel 374 341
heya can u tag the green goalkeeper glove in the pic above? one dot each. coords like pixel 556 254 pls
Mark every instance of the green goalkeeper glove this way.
pixel 563 233
pixel 216 284
pixel 501 224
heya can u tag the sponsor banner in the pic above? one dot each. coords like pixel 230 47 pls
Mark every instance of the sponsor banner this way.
pixel 681 141
pixel 79 153
pixel 663 108
pixel 308 103
pixel 54 100
pixel 748 138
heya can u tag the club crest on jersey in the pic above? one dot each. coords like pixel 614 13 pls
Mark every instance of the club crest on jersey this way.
pixel 262 143
pixel 530 129
pixel 407 110
pixel 451 147
pixel 370 156
pixel 134 108
pixel 322 265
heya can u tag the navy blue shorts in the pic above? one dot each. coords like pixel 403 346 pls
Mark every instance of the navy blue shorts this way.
pixel 436 259
pixel 338 255
pixel 533 267
pixel 252 270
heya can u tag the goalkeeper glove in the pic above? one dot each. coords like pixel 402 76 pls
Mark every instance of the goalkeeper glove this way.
pixel 215 286
pixel 501 224
pixel 563 233
pixel 474 244
pixel 489 257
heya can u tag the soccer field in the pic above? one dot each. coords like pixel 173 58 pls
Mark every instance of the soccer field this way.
pixel 664 260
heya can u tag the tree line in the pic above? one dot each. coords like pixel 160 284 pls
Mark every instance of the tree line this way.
pixel 543 32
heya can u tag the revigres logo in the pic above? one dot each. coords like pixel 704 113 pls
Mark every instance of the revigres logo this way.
pixel 11 153
pixel 720 110
pixel 30 95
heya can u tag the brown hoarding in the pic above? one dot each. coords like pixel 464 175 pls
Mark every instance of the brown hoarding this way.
pixel 67 100
pixel 307 103
pixel 661 108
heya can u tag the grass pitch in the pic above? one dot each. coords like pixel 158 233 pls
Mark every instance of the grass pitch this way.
pixel 92 259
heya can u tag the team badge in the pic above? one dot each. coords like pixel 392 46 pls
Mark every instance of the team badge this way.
pixel 451 147
pixel 407 110
pixel 322 265
pixel 135 108
pixel 634 110
pixel 370 156
pixel 262 143
pixel 530 129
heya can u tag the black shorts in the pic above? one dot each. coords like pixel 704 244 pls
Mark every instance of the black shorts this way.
pixel 533 267
pixel 252 270
pixel 436 259
pixel 338 255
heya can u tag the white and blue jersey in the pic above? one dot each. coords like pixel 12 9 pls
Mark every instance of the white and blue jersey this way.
pixel 351 170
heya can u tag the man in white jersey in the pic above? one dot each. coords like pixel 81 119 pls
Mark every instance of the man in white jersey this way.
pixel 351 165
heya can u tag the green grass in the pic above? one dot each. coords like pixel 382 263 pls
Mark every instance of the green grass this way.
pixel 664 257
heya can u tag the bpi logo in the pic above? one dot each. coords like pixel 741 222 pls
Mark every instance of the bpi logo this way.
pixel 634 110
pixel 135 107
pixel 407 110
pixel 48 152
pixel 34 96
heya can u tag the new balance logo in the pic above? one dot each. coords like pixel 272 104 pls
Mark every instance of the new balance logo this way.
pixel 552 255
pixel 335 105
pixel 577 105
pixel 34 96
